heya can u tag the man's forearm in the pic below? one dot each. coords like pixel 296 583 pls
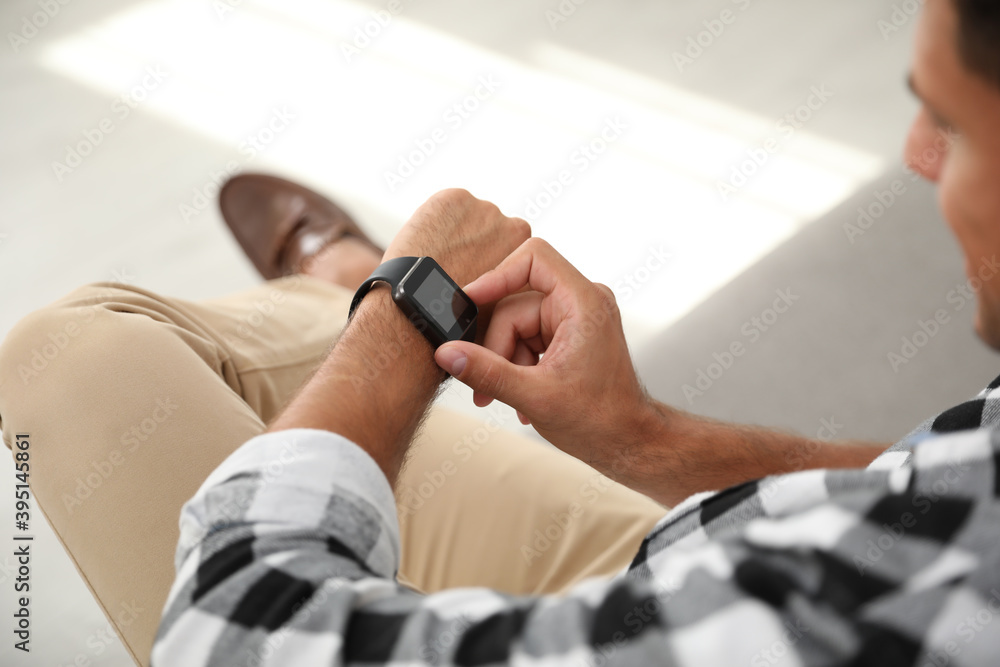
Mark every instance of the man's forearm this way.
pixel 685 454
pixel 373 388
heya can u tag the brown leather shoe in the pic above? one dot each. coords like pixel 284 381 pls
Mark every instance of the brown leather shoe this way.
pixel 281 224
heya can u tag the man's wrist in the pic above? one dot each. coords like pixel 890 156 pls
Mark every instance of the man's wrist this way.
pixel 390 362
pixel 635 455
pixel 374 387
pixel 390 339
pixel 668 454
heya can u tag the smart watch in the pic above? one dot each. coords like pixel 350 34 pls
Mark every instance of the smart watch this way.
pixel 428 297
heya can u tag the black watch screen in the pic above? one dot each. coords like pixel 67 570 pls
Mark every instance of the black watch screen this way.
pixel 436 304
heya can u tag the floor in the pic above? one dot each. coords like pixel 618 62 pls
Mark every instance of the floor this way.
pixel 734 138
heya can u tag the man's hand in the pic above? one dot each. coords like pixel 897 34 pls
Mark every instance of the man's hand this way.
pixel 557 354
pixel 465 235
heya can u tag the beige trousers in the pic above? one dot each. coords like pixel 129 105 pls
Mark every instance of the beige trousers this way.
pixel 131 399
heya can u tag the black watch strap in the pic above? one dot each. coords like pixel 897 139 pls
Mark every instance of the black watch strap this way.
pixel 392 271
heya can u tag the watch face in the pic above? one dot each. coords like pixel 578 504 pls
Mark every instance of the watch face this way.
pixel 435 297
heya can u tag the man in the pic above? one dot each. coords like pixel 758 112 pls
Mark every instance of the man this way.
pixel 289 551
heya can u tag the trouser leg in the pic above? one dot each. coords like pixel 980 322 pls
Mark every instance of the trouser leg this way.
pixel 131 399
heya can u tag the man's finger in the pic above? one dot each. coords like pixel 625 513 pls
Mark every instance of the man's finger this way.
pixel 524 355
pixel 485 371
pixel 516 318
pixel 480 399
pixel 534 264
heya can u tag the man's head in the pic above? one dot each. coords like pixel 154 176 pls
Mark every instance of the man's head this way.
pixel 955 139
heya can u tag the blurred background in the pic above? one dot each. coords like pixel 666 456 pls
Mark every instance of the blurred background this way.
pixel 731 168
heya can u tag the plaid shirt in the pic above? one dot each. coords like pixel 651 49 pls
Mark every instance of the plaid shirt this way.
pixel 288 555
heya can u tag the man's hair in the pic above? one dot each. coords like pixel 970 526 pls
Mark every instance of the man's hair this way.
pixel 979 37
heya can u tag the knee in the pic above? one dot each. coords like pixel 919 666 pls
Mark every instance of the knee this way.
pixel 36 342
pixel 68 346
pixel 34 347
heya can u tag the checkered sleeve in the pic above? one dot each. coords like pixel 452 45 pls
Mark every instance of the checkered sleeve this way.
pixel 289 551
pixel 981 411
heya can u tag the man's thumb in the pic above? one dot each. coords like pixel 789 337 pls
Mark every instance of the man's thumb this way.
pixel 482 369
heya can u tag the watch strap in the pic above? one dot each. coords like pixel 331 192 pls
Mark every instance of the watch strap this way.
pixel 391 271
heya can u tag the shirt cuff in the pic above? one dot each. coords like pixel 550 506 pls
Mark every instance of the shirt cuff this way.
pixel 300 479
